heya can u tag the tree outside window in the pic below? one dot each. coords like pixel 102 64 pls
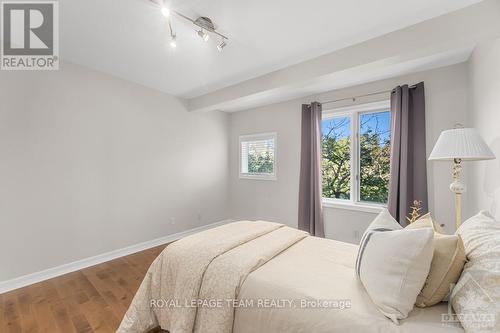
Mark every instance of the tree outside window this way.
pixel 362 166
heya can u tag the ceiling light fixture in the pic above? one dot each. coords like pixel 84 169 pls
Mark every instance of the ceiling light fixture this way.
pixel 203 35
pixel 173 36
pixel 205 25
pixel 165 11
pixel 221 45
pixel 173 41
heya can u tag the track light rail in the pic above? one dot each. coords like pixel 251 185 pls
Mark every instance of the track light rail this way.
pixel 199 25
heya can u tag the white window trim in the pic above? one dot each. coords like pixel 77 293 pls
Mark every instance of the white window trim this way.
pixel 259 136
pixel 350 205
pixel 353 112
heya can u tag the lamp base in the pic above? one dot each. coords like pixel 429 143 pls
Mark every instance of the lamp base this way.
pixel 458 188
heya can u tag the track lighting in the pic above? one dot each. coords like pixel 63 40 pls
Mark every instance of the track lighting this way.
pixel 165 11
pixel 203 34
pixel 173 36
pixel 204 24
pixel 173 41
pixel 221 45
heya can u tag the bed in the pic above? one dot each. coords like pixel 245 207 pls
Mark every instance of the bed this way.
pixel 256 276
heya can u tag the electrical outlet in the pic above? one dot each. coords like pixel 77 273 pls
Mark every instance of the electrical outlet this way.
pixel 172 220
pixel 357 235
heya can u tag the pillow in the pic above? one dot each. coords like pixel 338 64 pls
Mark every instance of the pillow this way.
pixel 447 263
pixel 476 296
pixel 426 221
pixel 393 263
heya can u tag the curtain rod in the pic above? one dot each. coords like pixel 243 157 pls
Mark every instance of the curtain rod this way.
pixel 365 95
pixel 354 97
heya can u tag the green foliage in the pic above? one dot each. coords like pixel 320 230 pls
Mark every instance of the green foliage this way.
pixel 260 163
pixel 374 167
pixel 374 164
pixel 336 167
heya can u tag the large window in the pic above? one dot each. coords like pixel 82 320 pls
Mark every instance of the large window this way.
pixel 356 154
pixel 258 156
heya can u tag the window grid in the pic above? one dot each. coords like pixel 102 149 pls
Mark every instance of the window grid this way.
pixel 354 114
pixel 259 144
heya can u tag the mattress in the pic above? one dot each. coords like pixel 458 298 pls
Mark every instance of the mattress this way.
pixel 312 287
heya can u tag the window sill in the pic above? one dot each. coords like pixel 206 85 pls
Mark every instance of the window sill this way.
pixel 258 177
pixel 348 205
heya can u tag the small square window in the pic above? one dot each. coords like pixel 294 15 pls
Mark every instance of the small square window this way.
pixel 258 156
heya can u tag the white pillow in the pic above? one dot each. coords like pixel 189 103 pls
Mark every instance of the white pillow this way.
pixel 476 296
pixel 393 264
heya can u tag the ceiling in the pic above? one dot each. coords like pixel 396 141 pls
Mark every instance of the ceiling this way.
pixel 129 38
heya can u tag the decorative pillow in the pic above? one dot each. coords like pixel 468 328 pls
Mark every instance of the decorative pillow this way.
pixel 476 296
pixel 447 263
pixel 393 264
pixel 426 221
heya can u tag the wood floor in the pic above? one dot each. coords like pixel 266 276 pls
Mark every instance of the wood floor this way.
pixel 90 300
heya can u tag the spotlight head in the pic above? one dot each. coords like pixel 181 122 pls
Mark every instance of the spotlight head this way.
pixel 165 11
pixel 221 45
pixel 173 42
pixel 204 35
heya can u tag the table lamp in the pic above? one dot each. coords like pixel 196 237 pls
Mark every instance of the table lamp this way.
pixel 457 145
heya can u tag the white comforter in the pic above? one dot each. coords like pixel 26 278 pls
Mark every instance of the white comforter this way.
pixel 208 267
pixel 323 269
pixel 268 266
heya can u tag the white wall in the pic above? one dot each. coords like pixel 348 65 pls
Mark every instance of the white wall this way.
pixel 90 163
pixel 446 102
pixel 484 71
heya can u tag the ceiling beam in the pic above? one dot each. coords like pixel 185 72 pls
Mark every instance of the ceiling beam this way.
pixel 436 42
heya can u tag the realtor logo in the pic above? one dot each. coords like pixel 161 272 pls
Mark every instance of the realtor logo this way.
pixel 29 35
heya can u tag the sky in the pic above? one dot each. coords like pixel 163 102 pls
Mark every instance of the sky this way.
pixel 367 121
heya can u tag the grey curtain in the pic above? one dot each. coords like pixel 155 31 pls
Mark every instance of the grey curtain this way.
pixel 310 207
pixel 408 180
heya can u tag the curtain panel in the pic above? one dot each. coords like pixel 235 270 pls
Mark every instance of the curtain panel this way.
pixel 408 180
pixel 310 197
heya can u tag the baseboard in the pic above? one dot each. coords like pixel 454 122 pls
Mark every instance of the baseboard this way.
pixel 50 273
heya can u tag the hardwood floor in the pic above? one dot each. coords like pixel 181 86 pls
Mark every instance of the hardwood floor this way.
pixel 90 300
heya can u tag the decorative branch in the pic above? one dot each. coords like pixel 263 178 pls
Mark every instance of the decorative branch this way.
pixel 415 211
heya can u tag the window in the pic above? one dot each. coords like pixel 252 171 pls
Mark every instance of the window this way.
pixel 336 163
pixel 356 154
pixel 258 156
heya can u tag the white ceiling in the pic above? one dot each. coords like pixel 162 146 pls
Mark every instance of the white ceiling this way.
pixel 129 38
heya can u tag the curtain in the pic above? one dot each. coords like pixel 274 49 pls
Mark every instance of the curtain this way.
pixel 310 206
pixel 408 180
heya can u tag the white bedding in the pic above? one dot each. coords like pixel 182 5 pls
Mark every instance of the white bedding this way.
pixel 266 263
pixel 209 266
pixel 317 268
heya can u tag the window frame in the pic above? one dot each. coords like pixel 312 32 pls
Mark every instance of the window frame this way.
pixel 354 113
pixel 256 137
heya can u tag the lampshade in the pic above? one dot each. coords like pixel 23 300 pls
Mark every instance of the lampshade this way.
pixel 462 143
